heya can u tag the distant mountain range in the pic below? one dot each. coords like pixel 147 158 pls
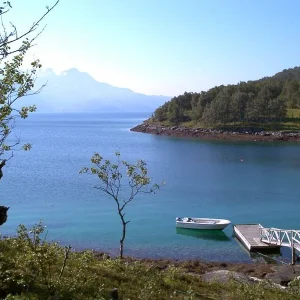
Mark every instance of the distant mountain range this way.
pixel 75 91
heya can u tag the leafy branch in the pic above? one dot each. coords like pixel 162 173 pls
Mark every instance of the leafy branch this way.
pixel 112 182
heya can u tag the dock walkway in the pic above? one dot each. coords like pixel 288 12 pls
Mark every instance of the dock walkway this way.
pixel 257 238
pixel 249 235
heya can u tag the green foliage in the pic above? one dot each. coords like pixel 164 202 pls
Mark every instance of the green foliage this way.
pixel 29 263
pixel 262 102
pixel 112 182
pixel 160 113
pixel 32 268
pixel 15 83
pixel 293 113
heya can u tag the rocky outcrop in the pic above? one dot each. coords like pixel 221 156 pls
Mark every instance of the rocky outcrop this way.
pixel 282 277
pixel 251 134
pixel 224 276
pixel 283 274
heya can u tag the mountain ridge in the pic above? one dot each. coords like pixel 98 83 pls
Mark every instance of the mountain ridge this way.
pixel 75 91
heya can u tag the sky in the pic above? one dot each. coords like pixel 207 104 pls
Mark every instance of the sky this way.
pixel 165 47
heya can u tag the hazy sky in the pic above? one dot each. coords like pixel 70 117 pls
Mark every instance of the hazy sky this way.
pixel 166 46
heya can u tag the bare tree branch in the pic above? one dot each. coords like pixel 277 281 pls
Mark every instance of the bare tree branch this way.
pixel 32 28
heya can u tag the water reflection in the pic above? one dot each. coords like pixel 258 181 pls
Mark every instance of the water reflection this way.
pixel 267 256
pixel 215 235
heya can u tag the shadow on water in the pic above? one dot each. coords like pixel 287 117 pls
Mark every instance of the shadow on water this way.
pixel 268 256
pixel 215 235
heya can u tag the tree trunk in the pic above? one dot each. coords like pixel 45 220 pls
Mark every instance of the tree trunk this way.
pixel 123 235
pixel 3 214
pixel 2 164
pixel 114 294
pixel 3 209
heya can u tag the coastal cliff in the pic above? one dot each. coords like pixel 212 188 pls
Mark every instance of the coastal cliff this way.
pixel 242 134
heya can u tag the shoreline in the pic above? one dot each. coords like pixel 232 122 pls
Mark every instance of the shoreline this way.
pixel 275 272
pixel 218 134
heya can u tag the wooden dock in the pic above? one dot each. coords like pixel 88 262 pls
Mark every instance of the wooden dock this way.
pixel 249 235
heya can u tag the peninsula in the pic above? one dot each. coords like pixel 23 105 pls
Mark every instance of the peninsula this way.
pixel 267 109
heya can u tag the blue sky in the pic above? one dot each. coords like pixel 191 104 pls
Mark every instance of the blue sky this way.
pixel 166 47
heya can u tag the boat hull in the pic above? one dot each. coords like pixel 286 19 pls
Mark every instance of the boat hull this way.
pixel 202 223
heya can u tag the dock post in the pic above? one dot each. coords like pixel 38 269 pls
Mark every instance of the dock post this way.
pixel 293 250
pixel 294 256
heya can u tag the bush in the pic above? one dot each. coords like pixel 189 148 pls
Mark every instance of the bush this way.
pixel 32 268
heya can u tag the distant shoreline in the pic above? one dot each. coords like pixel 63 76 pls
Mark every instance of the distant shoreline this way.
pixel 217 134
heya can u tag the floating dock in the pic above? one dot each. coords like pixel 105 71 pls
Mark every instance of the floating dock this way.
pixel 249 235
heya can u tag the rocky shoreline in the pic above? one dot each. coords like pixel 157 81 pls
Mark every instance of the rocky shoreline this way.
pixel 277 275
pixel 242 134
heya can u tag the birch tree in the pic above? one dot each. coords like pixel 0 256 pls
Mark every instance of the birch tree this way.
pixel 15 82
pixel 121 182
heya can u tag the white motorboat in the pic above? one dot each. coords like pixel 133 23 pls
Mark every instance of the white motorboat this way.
pixel 202 223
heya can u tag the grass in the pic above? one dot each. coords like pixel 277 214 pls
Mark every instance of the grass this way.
pixel 31 268
pixel 292 123
pixel 293 113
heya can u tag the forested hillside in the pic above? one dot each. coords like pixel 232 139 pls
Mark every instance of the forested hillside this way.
pixel 263 101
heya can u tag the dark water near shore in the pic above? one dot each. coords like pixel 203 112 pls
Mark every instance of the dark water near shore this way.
pixel 241 181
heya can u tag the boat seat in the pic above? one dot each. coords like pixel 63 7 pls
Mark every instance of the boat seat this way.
pixel 207 222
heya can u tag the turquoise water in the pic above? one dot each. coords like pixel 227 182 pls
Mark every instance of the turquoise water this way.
pixel 241 181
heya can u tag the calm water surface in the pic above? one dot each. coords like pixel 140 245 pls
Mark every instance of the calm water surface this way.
pixel 241 181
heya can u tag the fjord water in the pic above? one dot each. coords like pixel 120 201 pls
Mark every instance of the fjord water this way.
pixel 241 181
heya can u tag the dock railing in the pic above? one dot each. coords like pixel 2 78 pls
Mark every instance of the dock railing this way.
pixel 281 237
